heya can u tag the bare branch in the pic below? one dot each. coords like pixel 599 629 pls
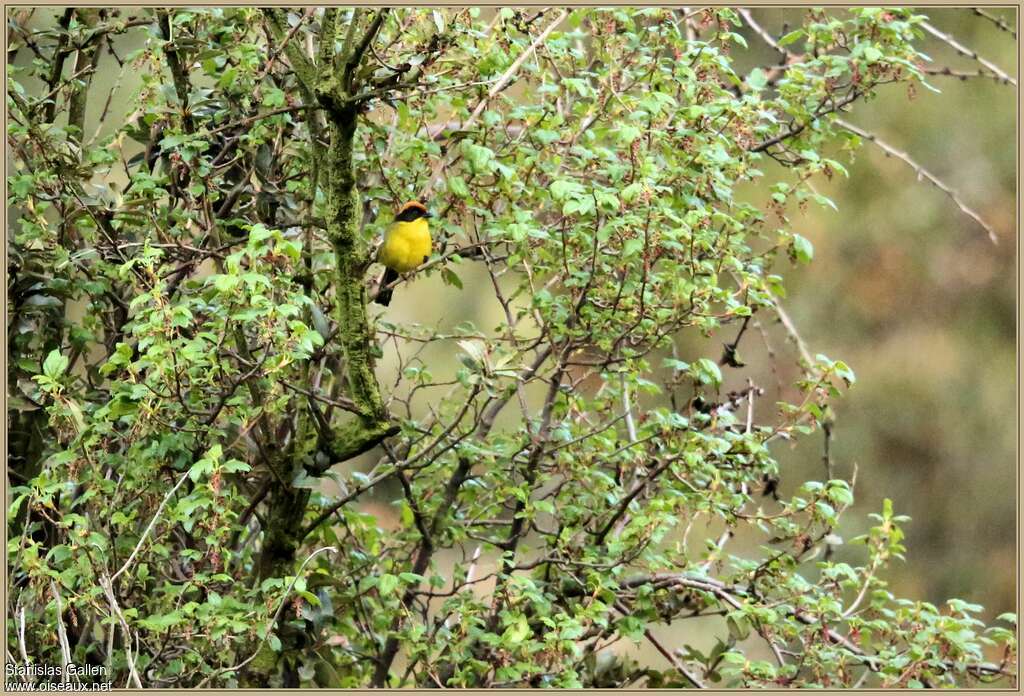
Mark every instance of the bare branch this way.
pixel 107 585
pixel 790 327
pixel 761 31
pixel 21 638
pixel 62 636
pixel 676 664
pixel 965 74
pixel 998 21
pixel 149 528
pixel 970 53
pixel 922 173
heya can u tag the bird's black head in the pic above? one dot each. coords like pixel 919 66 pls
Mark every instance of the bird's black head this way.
pixel 413 210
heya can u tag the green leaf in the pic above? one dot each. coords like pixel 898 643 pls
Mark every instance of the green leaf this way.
pixel 161 622
pixel 438 21
pixel 739 626
pixel 55 364
pixel 225 283
pixel 872 54
pixel 844 372
pixel 457 186
pixel 757 79
pixel 802 250
pixel 387 584
pixel 706 371
pixel 562 189
pixel 791 37
pixel 632 192
pixel 479 158
pixel 449 278
pixel 517 632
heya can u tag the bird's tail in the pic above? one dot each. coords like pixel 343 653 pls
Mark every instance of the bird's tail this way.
pixel 384 293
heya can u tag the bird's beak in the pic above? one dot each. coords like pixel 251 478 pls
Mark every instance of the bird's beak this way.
pixel 428 214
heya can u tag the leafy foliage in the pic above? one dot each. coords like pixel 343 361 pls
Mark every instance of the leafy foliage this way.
pixel 192 354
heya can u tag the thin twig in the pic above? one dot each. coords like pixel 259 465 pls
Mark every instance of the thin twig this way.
pixel 273 620
pixel 826 457
pixel 761 31
pixel 241 123
pixel 278 49
pixel 964 51
pixel 627 409
pixel 337 505
pixel 62 635
pixel 719 546
pixel 998 21
pixel 514 68
pixel 107 586
pixel 502 82
pixel 863 590
pixel 751 390
pixel 687 14
pixel 149 528
pixel 964 75
pixel 21 637
pixel 623 506
pixel 468 581
pixel 922 173
pixel 798 128
pixel 679 666
pixel 790 327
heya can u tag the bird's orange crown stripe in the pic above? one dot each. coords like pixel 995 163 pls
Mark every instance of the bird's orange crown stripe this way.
pixel 412 205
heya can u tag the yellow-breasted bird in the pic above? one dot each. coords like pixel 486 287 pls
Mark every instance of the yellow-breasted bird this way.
pixel 407 244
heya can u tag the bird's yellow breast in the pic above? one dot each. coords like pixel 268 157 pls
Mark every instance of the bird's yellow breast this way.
pixel 406 245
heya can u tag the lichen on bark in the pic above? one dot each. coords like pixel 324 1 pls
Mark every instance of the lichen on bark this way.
pixel 336 178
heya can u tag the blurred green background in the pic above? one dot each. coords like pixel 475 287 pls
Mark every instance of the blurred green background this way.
pixel 911 293
pixel 904 287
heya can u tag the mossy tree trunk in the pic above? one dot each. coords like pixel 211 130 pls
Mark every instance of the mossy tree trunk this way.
pixel 328 86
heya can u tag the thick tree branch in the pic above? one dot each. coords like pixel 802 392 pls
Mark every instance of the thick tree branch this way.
pixel 85 66
pixel 305 71
pixel 353 59
pixel 179 74
pixel 60 54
